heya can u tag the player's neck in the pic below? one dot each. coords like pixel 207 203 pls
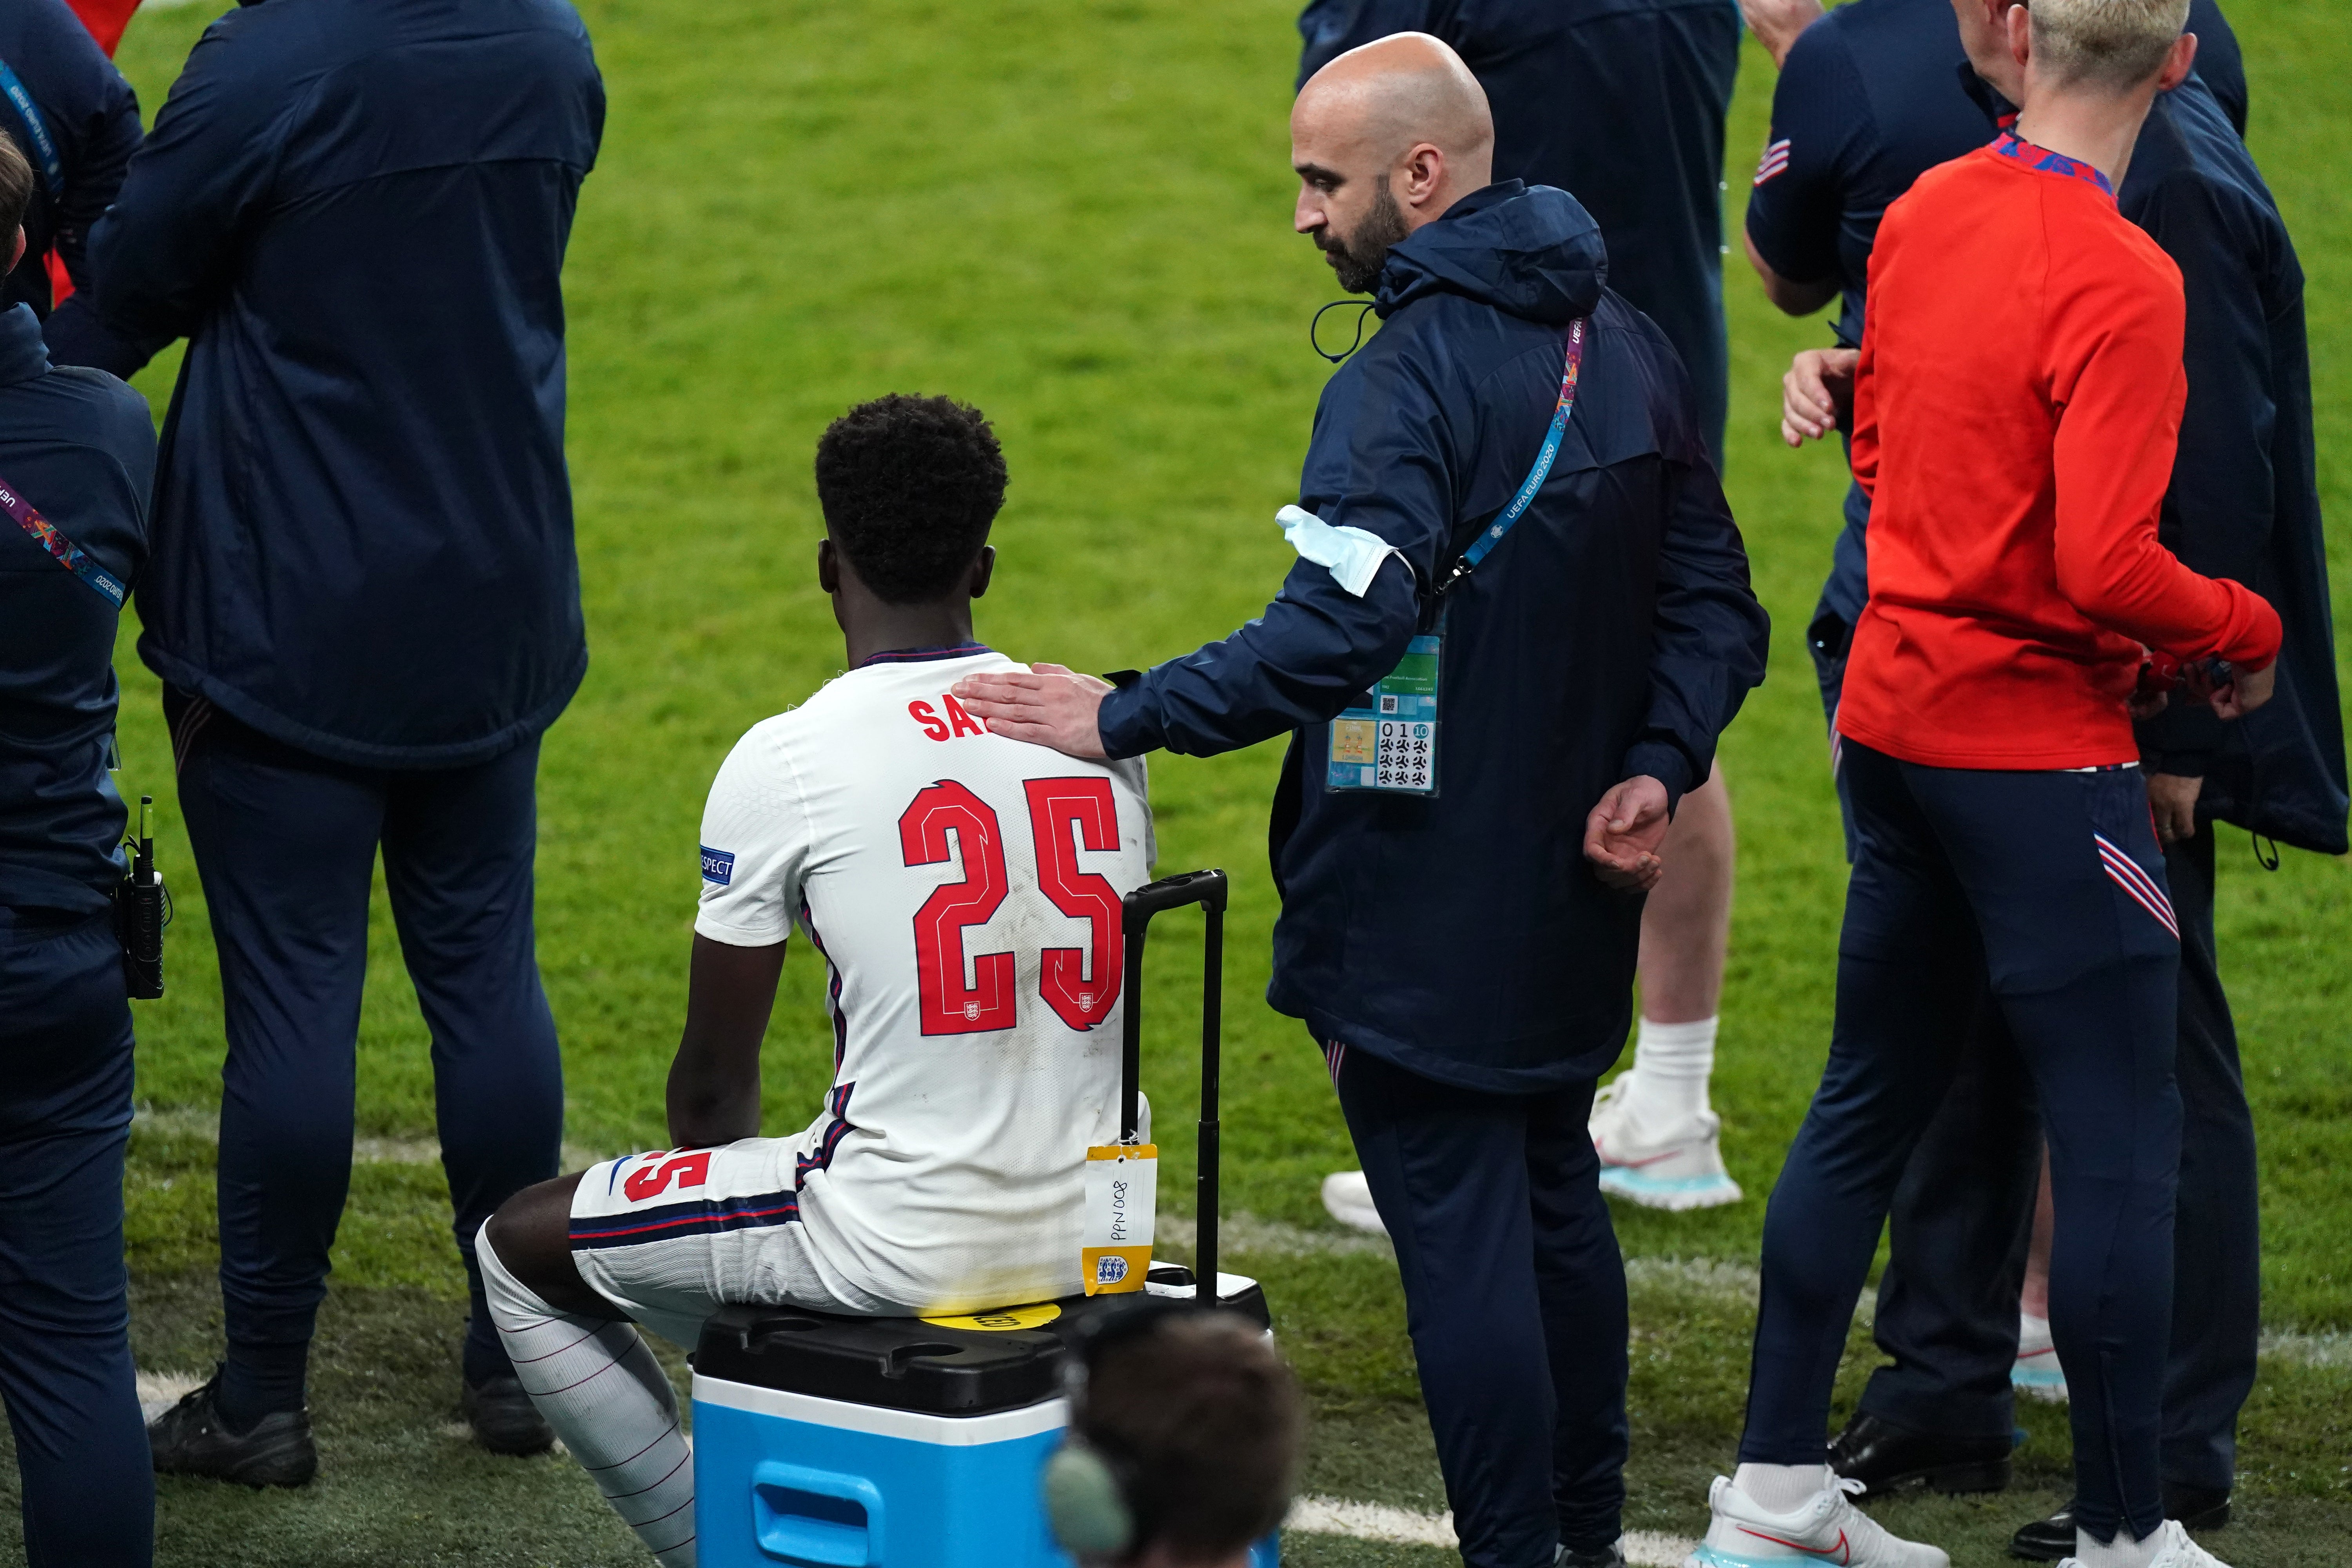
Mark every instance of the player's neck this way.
pixel 2090 127
pixel 886 628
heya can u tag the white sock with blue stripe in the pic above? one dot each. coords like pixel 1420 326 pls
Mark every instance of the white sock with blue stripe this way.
pixel 600 1387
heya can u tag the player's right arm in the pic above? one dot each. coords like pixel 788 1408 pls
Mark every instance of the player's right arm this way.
pixel 754 849
pixel 714 1083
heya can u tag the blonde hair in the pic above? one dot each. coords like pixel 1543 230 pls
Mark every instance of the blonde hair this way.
pixel 2114 44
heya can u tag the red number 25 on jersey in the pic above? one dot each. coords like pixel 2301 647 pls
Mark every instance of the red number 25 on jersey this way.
pixel 1065 815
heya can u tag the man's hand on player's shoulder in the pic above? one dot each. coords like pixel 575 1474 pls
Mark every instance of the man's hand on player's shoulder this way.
pixel 1622 834
pixel 1046 705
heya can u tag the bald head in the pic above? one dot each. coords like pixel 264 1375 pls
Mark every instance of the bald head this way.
pixel 1401 89
pixel 1385 139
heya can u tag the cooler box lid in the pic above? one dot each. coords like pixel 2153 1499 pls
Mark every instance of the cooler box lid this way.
pixel 971 1365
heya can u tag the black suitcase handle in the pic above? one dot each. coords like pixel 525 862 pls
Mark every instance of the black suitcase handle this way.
pixel 1208 889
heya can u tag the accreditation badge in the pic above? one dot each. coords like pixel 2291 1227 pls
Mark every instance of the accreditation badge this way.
pixel 1386 739
pixel 1122 1194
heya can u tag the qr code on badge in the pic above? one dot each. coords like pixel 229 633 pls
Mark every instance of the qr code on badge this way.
pixel 1406 756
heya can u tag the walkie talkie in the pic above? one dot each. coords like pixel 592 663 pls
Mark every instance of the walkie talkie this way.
pixel 142 912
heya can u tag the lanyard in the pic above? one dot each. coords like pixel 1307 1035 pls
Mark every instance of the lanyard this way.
pixel 45 149
pixel 1485 543
pixel 1387 740
pixel 63 551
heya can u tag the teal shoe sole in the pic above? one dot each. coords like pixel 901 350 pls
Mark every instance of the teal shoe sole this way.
pixel 1668 1192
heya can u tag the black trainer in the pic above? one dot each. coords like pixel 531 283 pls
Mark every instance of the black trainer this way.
pixel 2048 1539
pixel 1885 1458
pixel 504 1419
pixel 190 1439
pixel 1611 1556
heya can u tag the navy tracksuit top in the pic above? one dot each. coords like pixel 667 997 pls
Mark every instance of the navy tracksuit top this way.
pixel 92 118
pixel 356 211
pixel 80 446
pixel 1611 633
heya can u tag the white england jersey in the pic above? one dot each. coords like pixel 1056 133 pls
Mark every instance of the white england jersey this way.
pixel 964 890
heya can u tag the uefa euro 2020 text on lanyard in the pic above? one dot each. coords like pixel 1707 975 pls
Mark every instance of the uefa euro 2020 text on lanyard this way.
pixel 1386 741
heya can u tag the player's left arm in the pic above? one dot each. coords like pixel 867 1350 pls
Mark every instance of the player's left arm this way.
pixel 714 1083
pixel 2114 370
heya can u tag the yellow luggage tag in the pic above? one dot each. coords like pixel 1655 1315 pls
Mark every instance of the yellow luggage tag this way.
pixel 1122 1197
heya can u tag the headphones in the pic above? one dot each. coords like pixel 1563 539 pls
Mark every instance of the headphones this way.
pixel 1091 1500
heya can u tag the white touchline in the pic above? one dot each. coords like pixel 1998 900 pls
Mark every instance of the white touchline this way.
pixel 1404 1526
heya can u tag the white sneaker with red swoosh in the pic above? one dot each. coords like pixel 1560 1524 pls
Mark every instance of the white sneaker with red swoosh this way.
pixel 2174 1548
pixel 1675 1167
pixel 1827 1531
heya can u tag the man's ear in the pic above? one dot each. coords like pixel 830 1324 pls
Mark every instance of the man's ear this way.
pixel 2179 63
pixel 2020 33
pixel 982 569
pixel 16 251
pixel 828 565
pixel 1419 175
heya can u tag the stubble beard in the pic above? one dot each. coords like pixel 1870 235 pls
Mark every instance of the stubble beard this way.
pixel 1357 258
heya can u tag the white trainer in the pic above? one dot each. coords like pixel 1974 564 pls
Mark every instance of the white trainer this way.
pixel 2037 1371
pixel 2174 1550
pixel 1348 1198
pixel 1828 1530
pixel 1676 1167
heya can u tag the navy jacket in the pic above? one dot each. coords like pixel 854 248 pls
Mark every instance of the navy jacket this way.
pixel 356 211
pixel 80 446
pixel 1621 102
pixel 2244 500
pixel 92 117
pixel 1611 633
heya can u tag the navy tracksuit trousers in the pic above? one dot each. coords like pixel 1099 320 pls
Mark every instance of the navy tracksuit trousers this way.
pixel 64 1321
pixel 2039 896
pixel 1947 1300
pixel 1514 1299
pixel 1963 1218
pixel 286 843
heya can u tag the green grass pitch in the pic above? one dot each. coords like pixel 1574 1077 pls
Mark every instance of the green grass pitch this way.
pixel 1076 215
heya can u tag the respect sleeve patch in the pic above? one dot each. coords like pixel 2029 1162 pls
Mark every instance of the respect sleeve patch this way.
pixel 718 866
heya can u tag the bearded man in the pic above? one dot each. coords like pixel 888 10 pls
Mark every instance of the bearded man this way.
pixel 1520 620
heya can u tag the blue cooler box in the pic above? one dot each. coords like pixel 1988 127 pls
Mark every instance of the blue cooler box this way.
pixel 834 1442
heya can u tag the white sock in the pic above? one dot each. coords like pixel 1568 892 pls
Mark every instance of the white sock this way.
pixel 2123 1551
pixel 1671 1063
pixel 1781 1488
pixel 599 1386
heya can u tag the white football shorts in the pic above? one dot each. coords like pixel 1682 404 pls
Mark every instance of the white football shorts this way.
pixel 669 1236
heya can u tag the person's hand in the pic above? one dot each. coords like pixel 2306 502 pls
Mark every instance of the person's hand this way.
pixel 1622 834
pixel 1777 23
pixel 1045 704
pixel 1816 394
pixel 2172 802
pixel 2247 689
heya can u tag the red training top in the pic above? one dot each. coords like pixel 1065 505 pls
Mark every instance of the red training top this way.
pixel 2015 413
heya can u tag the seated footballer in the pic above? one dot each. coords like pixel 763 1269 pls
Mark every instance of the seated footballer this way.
pixel 963 891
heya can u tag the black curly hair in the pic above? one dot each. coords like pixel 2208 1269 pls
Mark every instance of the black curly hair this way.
pixel 909 485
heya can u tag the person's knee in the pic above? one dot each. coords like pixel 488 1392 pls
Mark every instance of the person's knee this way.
pixel 531 1237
